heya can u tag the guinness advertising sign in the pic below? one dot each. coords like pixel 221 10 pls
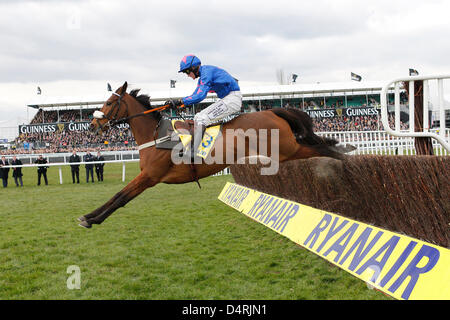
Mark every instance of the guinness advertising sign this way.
pixel 60 127
pixel 346 112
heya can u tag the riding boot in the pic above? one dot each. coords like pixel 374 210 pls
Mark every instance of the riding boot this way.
pixel 199 129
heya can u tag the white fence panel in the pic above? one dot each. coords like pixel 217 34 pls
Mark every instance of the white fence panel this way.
pixel 382 143
pixel 440 135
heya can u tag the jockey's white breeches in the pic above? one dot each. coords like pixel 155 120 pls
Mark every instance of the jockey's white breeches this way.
pixel 220 109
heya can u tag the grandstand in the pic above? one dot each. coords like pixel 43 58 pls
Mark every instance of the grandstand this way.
pixel 61 123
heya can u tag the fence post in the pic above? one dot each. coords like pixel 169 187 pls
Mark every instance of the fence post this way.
pixel 60 176
pixel 123 171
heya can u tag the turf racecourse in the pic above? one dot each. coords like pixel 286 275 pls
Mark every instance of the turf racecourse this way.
pixel 172 242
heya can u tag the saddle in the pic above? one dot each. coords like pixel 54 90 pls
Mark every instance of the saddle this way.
pixel 172 132
pixel 168 126
pixel 166 130
pixel 163 135
pixel 186 125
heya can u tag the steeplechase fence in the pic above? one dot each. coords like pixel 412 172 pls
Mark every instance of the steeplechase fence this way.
pixel 382 218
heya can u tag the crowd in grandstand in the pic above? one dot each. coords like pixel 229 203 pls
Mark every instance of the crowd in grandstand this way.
pixel 54 116
pixel 64 141
pixel 362 123
pixel 122 139
pixel 343 123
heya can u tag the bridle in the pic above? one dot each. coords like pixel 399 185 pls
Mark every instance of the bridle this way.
pixel 111 116
pixel 112 120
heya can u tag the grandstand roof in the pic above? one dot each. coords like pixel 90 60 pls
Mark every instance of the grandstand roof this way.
pixel 43 101
pixel 349 88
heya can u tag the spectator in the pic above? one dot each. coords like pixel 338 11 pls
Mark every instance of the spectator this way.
pixel 99 166
pixel 88 157
pixel 17 172
pixel 42 170
pixel 4 172
pixel 75 168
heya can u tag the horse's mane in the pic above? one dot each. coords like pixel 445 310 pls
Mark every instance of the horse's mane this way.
pixel 144 99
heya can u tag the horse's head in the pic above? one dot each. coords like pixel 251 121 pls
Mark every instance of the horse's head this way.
pixel 112 110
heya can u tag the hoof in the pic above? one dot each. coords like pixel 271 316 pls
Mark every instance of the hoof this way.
pixel 82 218
pixel 85 224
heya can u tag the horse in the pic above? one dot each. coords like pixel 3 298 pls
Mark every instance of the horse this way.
pixel 296 140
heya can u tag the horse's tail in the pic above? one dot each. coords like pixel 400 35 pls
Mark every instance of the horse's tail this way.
pixel 302 127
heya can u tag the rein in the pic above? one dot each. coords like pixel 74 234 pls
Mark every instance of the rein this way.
pixel 143 113
pixel 112 121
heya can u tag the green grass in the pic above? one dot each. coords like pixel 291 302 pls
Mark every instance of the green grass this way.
pixel 172 242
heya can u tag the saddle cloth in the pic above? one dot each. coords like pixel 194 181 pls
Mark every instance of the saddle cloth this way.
pixel 184 130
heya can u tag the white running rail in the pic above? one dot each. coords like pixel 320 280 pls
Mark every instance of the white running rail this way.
pixel 412 133
pixel 60 165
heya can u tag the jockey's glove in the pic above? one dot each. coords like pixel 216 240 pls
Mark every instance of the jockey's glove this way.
pixel 174 103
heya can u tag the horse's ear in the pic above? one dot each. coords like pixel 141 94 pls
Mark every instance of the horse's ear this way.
pixel 123 89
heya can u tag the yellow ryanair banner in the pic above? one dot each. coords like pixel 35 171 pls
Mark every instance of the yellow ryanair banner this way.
pixel 401 266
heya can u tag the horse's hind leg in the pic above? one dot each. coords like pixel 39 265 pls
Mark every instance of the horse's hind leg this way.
pixel 99 210
pixel 133 189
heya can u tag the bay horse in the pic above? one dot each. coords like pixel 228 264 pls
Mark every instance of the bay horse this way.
pixel 295 135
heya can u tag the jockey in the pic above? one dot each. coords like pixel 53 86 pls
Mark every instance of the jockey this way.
pixel 211 79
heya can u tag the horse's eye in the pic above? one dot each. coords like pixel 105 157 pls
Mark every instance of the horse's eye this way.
pixel 108 103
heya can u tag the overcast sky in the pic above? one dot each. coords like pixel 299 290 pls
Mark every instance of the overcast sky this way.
pixel 76 47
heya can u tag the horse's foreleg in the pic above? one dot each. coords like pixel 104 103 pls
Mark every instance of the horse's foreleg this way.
pixel 133 189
